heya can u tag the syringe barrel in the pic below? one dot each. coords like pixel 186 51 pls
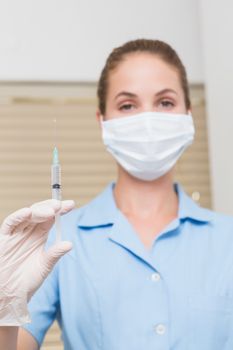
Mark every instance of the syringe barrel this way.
pixel 56 181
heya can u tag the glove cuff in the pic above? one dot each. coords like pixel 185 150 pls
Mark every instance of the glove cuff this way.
pixel 13 309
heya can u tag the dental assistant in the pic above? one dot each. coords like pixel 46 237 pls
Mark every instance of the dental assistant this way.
pixel 149 268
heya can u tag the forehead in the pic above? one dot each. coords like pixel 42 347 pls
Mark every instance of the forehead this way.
pixel 140 70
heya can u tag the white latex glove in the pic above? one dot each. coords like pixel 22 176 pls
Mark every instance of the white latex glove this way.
pixel 24 264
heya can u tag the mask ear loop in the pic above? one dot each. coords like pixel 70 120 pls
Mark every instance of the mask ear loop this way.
pixel 178 165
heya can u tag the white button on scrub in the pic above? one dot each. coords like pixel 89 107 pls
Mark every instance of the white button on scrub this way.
pixel 155 277
pixel 160 329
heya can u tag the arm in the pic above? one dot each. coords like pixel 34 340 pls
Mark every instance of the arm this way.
pixel 26 341
pixel 42 308
pixel 24 265
pixel 13 338
pixel 8 338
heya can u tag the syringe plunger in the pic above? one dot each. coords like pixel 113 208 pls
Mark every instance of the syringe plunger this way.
pixel 56 181
pixel 56 176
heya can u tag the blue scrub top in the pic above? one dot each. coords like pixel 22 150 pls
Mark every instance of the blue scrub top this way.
pixel 111 293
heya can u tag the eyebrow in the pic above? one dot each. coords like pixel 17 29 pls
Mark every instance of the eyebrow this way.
pixel 130 94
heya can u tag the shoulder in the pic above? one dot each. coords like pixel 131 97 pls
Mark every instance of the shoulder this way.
pixel 190 209
pixel 221 226
pixel 219 219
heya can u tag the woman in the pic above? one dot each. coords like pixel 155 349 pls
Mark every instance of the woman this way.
pixel 149 268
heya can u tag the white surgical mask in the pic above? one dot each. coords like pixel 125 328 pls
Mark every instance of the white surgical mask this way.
pixel 147 145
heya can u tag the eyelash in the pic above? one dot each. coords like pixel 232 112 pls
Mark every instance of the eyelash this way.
pixel 171 104
pixel 126 104
pixel 167 101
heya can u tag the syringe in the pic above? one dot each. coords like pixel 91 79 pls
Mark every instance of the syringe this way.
pixel 56 189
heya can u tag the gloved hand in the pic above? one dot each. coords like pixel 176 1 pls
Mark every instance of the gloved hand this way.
pixel 24 264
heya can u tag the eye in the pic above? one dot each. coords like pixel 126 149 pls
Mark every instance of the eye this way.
pixel 166 103
pixel 126 106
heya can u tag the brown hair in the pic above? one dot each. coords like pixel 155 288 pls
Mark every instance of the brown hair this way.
pixel 157 47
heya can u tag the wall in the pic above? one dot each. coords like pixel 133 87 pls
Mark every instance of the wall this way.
pixel 70 39
pixel 217 34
